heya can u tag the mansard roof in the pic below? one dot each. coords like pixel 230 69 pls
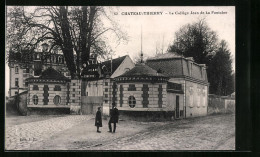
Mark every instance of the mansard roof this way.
pixel 165 56
pixel 177 66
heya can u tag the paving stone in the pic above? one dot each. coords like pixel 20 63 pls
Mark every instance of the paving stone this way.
pixel 22 136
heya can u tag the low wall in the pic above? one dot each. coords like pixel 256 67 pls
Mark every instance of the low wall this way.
pixel 11 106
pixel 221 104
pixel 48 111
pixel 17 105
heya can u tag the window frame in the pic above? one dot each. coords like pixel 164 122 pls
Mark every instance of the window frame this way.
pixel 131 101
pixel 16 70
pixel 35 99
pixel 16 82
pixel 59 100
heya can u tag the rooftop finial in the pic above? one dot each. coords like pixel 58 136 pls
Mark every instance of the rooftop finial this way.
pixel 142 44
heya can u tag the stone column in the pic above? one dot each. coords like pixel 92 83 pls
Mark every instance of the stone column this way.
pixel 75 96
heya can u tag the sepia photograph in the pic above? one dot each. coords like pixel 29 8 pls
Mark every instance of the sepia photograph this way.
pixel 120 78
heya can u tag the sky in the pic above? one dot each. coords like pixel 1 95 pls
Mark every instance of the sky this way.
pixel 158 29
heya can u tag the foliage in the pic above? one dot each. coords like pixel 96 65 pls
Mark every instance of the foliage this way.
pixel 197 40
pixel 71 29
pixel 220 71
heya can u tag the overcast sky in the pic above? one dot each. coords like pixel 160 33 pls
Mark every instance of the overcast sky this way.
pixel 159 29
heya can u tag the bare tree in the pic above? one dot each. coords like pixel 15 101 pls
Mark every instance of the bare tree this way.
pixel 72 29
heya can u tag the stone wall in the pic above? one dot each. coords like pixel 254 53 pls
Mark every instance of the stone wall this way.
pixel 153 93
pixel 196 99
pixel 218 104
pixel 107 96
pixel 46 93
pixel 74 96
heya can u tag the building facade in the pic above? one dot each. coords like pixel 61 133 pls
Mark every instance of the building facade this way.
pixel 191 76
pixel 26 64
pixel 165 83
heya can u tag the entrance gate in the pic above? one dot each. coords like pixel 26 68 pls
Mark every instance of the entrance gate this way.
pixel 89 104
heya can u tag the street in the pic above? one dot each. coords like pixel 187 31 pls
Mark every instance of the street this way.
pixel 77 132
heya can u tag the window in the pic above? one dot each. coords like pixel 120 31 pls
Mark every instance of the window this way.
pixel 15 93
pixel 35 99
pixel 106 95
pixel 74 84
pixel 132 87
pixel 73 95
pixel 73 89
pixel 17 70
pixel 57 100
pixel 106 101
pixel 106 89
pixel 106 83
pixel 131 101
pixel 73 101
pixel 16 82
pixel 35 87
pixel 57 88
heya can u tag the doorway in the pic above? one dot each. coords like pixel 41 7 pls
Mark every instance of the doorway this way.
pixel 177 107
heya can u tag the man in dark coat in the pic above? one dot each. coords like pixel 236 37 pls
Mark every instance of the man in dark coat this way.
pixel 98 119
pixel 113 119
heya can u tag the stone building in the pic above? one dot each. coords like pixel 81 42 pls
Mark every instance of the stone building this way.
pixel 50 90
pixel 102 87
pixel 26 64
pixel 141 89
pixel 191 76
pixel 166 83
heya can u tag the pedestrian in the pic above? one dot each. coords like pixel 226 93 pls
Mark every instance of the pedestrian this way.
pixel 98 119
pixel 113 119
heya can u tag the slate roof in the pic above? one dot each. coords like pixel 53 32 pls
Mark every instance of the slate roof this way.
pixel 165 56
pixel 50 74
pixel 115 63
pixel 177 67
pixel 142 70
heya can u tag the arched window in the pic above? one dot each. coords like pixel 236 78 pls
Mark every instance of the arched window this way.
pixel 57 100
pixel 35 99
pixel 131 101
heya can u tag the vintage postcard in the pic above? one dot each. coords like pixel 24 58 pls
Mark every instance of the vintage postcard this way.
pixel 120 78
